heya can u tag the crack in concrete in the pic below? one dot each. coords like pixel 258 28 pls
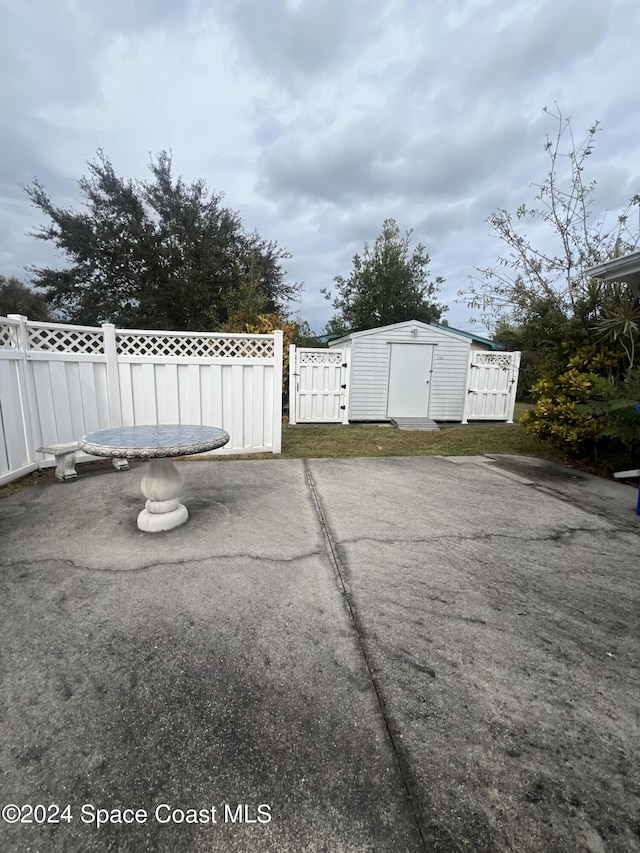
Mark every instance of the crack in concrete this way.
pixel 553 536
pixel 166 564
pixel 339 569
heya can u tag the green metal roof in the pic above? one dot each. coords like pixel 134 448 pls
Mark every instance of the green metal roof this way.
pixel 468 335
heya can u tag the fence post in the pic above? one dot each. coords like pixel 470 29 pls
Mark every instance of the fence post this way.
pixel 277 391
pixel 113 376
pixel 467 395
pixel 346 374
pixel 293 395
pixel 23 338
pixel 28 398
pixel 514 374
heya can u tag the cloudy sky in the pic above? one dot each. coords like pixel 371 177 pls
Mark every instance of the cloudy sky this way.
pixel 318 119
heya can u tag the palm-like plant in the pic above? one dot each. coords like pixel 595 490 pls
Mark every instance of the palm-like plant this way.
pixel 619 320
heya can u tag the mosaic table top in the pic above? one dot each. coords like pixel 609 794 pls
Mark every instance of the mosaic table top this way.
pixel 153 441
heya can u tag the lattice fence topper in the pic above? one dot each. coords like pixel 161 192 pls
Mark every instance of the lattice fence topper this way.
pixel 59 339
pixel 8 337
pixel 493 359
pixel 328 357
pixel 194 346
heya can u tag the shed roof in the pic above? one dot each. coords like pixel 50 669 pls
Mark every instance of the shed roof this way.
pixel 419 323
pixel 469 335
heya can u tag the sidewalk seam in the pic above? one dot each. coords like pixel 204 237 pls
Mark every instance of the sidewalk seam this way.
pixel 334 559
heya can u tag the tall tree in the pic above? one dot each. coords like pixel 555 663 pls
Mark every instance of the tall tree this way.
pixel 17 298
pixel 158 253
pixel 551 270
pixel 387 284
pixel 580 337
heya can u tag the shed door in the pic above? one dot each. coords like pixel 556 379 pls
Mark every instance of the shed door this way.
pixel 409 380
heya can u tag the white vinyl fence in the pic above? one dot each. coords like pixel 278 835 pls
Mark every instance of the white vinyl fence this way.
pixel 492 384
pixel 318 381
pixel 60 382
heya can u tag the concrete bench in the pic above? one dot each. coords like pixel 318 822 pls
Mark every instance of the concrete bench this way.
pixel 65 454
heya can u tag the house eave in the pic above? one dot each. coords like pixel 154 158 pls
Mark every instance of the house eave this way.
pixel 625 269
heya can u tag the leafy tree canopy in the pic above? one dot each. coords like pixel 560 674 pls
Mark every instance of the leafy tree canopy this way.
pixel 17 298
pixel 547 275
pixel 543 338
pixel 158 253
pixel 580 337
pixel 387 284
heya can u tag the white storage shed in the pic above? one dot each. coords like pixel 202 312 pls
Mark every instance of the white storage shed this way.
pixel 410 370
pixel 407 370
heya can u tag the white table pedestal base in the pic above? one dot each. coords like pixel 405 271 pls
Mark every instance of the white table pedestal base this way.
pixel 160 485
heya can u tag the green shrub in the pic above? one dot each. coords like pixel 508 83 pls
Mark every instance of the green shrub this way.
pixel 617 403
pixel 588 412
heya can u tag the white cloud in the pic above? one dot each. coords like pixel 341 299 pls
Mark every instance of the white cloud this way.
pixel 319 119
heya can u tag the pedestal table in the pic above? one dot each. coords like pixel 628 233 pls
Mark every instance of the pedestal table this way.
pixel 161 483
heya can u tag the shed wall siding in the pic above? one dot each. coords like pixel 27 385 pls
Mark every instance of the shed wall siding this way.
pixel 449 380
pixel 370 373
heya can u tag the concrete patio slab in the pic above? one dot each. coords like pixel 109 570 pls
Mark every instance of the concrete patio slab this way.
pixel 334 655
pixel 501 626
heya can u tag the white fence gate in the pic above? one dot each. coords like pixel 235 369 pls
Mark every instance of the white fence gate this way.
pixel 16 436
pixel 492 384
pixel 318 381
pixel 59 382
